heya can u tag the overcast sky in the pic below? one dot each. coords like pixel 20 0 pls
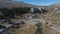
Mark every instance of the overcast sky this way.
pixel 39 2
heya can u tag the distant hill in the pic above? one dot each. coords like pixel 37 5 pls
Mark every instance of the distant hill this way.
pixel 10 4
pixel 55 5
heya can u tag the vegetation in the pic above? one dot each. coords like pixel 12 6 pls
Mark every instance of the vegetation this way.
pixel 14 11
pixel 52 16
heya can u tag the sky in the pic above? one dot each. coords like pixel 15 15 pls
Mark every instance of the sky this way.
pixel 39 2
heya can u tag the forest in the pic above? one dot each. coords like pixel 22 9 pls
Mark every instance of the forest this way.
pixel 10 12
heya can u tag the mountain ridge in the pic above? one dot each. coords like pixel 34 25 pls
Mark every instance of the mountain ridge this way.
pixel 57 4
pixel 10 4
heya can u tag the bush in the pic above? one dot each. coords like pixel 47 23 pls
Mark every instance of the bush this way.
pixel 14 11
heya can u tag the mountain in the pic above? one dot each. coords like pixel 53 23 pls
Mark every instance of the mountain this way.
pixel 55 5
pixel 10 4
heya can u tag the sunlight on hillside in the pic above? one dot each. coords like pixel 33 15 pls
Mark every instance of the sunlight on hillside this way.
pixel 52 16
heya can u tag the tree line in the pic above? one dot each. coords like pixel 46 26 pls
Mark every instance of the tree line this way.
pixel 10 12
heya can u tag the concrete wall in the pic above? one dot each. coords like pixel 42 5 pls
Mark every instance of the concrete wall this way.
pixel 35 10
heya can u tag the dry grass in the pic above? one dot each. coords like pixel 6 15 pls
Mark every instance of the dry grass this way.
pixel 51 16
pixel 26 30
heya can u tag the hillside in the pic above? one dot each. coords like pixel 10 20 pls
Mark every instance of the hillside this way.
pixel 53 14
pixel 10 3
pixel 56 4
